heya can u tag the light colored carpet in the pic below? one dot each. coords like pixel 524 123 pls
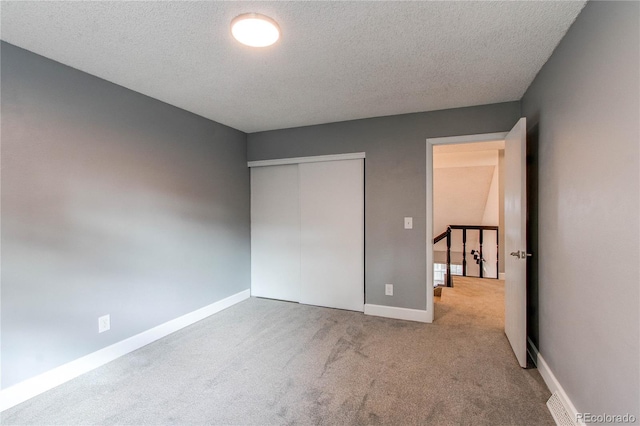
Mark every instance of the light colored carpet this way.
pixel 265 362
pixel 473 302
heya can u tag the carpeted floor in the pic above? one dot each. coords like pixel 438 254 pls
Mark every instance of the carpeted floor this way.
pixel 265 362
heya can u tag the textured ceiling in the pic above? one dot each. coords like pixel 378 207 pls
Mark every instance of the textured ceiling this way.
pixel 336 60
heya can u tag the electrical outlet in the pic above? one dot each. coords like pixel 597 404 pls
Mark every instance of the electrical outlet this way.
pixel 408 223
pixel 104 323
pixel 388 289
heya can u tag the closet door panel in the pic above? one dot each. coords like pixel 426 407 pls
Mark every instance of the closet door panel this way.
pixel 332 234
pixel 275 232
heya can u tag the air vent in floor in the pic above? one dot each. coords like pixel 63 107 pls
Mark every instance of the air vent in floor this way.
pixel 559 412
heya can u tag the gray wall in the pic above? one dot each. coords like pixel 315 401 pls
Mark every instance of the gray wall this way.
pixel 583 110
pixel 395 173
pixel 112 202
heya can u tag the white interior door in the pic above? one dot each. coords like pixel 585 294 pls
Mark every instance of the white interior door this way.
pixel 332 234
pixel 515 208
pixel 275 232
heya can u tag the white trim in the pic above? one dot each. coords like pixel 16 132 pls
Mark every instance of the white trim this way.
pixel 396 313
pixel 481 137
pixel 34 386
pixel 501 275
pixel 552 382
pixel 313 159
pixel 429 229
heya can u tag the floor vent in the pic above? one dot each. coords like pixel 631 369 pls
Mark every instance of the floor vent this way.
pixel 559 411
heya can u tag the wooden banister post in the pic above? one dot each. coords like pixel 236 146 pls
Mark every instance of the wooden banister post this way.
pixel 464 252
pixel 497 254
pixel 481 273
pixel 449 280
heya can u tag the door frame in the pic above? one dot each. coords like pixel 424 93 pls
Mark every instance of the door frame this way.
pixel 307 159
pixel 431 142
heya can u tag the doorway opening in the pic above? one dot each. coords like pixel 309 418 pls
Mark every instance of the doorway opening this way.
pixel 515 229
pixel 468 195
pixel 467 213
pixel 463 208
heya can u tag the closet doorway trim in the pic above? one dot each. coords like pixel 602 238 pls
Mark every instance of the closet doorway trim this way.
pixel 312 159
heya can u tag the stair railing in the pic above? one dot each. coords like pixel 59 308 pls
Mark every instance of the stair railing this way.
pixel 479 259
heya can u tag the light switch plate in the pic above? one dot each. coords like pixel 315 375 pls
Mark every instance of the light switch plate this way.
pixel 408 223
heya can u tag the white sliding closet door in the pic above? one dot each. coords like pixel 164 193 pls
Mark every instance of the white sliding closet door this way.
pixel 275 232
pixel 332 234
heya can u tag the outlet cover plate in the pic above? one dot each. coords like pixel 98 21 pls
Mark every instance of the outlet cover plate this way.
pixel 388 289
pixel 104 323
pixel 408 223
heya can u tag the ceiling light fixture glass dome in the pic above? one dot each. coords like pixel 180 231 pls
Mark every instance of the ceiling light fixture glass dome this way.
pixel 255 30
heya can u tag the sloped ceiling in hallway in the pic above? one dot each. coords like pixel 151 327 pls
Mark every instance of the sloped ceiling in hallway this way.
pixel 459 197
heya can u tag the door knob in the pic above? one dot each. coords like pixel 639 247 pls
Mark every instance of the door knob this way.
pixel 521 254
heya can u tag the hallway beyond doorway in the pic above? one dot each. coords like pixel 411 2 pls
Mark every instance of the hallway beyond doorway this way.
pixel 476 302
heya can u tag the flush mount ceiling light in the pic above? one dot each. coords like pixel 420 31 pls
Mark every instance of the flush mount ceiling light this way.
pixel 255 30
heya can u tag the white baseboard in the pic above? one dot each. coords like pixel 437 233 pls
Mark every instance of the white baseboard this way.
pixel 501 275
pixel 396 313
pixel 551 381
pixel 29 388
